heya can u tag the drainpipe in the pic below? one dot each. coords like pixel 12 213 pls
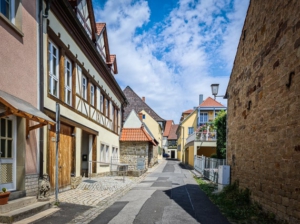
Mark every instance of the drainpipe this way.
pixel 41 76
pixel 41 87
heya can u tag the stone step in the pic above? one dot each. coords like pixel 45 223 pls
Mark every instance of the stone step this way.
pixel 17 203
pixel 22 213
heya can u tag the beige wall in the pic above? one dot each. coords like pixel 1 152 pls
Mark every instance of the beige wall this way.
pixel 154 127
pixel 104 136
pixel 263 147
pixel 19 73
pixel 191 121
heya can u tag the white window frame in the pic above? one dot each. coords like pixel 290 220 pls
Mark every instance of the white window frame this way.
pixel 202 121
pixel 107 153
pixel 52 76
pixel 12 13
pixel 92 95
pixel 102 153
pixel 101 46
pixel 101 98
pixel 68 88
pixel 84 87
pixel 106 107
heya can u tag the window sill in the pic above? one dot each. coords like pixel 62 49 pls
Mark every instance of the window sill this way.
pixel 16 29
pixel 104 164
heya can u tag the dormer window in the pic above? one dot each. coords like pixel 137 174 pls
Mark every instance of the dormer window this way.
pixel 101 46
pixel 83 17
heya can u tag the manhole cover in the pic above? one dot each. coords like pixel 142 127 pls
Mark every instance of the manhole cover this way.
pixel 90 181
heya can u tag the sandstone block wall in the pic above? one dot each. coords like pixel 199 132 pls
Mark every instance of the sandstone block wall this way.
pixel 130 151
pixel 263 145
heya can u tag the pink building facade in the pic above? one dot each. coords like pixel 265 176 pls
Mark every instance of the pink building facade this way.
pixel 20 117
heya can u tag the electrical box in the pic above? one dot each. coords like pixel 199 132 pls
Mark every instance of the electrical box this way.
pixel 224 174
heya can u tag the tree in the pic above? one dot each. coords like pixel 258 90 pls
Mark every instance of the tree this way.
pixel 220 125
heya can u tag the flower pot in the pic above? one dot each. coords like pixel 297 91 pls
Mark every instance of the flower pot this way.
pixel 4 198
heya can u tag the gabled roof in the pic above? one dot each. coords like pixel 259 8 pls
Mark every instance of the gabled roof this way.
pixel 100 27
pixel 168 128
pixel 183 120
pixel 90 7
pixel 135 135
pixel 137 104
pixel 188 111
pixel 210 102
pixel 173 135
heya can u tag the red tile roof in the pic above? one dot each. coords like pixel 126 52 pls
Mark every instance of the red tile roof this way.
pixel 168 128
pixel 112 58
pixel 173 135
pixel 135 135
pixel 100 27
pixel 188 111
pixel 210 102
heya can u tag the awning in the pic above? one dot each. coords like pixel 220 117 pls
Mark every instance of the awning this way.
pixel 21 108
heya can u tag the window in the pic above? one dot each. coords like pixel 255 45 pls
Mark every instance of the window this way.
pixel 53 69
pixel 191 130
pixel 7 9
pixel 68 81
pixel 101 102
pixel 203 119
pixel 102 153
pixel 92 97
pixel 6 138
pixel 84 87
pixel 101 46
pixel 107 154
pixel 112 114
pixel 107 107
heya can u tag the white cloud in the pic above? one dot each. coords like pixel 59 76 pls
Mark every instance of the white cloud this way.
pixel 174 61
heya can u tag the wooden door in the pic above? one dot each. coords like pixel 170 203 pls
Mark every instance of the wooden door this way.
pixel 64 156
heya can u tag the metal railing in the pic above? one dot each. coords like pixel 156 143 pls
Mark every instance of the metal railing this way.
pixel 202 136
pixel 208 167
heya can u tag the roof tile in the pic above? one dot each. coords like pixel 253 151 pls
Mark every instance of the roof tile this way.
pixel 135 134
pixel 210 102
pixel 168 128
pixel 173 135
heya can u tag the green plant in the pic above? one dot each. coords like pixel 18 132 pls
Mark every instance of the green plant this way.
pixel 214 155
pixel 4 189
pixel 220 125
pixel 235 203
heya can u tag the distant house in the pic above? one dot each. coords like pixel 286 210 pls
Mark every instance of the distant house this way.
pixel 188 122
pixel 154 122
pixel 263 141
pixel 196 135
pixel 172 142
pixel 134 140
pixel 168 126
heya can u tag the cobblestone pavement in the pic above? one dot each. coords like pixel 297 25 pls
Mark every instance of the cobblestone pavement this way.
pixel 98 192
pixel 93 191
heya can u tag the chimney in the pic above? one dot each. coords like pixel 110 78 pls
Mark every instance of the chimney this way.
pixel 143 98
pixel 141 116
pixel 200 98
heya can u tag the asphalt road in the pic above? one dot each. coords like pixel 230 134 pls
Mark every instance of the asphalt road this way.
pixel 167 195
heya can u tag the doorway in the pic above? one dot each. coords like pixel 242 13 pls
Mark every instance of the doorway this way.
pixel 172 154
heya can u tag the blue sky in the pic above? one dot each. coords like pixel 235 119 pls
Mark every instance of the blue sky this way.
pixel 170 51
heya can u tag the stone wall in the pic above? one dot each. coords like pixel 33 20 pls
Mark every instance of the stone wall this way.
pixel 263 145
pixel 31 184
pixel 75 181
pixel 153 155
pixel 129 152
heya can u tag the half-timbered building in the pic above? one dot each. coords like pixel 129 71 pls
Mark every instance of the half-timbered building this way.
pixel 79 76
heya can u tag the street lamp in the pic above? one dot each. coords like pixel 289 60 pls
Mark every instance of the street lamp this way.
pixel 214 90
